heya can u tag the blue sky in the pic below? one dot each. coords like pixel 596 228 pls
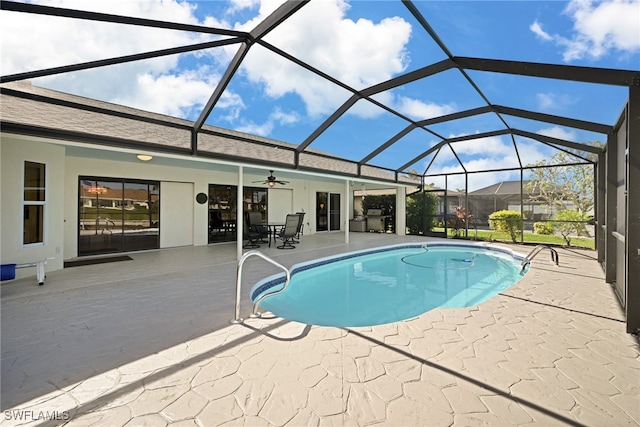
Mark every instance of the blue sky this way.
pixel 361 43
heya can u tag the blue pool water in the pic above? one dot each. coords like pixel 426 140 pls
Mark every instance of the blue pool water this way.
pixel 390 284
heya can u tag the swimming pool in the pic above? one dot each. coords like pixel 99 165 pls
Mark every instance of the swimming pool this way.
pixel 390 283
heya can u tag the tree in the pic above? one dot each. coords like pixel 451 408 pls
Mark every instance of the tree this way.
pixel 556 185
pixel 421 210
pixel 570 222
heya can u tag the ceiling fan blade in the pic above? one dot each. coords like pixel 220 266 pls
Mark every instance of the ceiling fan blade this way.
pixel 271 180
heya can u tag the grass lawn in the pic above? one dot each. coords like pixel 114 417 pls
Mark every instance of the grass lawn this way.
pixel 497 236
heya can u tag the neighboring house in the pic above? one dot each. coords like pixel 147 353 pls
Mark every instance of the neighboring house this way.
pixel 506 195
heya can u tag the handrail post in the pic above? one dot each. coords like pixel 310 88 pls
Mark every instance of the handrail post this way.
pixel 244 257
pixel 237 318
pixel 259 300
pixel 527 260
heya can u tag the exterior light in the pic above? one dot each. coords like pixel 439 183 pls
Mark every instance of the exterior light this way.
pixel 144 157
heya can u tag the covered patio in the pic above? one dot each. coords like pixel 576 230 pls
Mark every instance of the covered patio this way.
pixel 149 342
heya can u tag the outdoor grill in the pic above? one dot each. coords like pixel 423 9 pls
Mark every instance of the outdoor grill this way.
pixel 375 220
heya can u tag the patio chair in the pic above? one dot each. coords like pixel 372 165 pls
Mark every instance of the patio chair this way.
pixel 288 233
pixel 300 227
pixel 256 223
pixel 252 235
pixel 216 224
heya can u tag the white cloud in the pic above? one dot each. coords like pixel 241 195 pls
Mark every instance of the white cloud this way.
pixel 536 27
pixel 258 129
pixel 365 110
pixel 485 154
pixel 532 151
pixel 558 132
pixel 552 101
pixel 475 181
pixel 360 53
pixel 499 154
pixel 420 110
pixel 285 118
pixel 545 100
pixel 237 5
pixel 48 41
pixel 494 146
pixel 158 93
pixel 232 104
pixel 600 29
pixel 264 129
pixel 157 85
pixel 605 26
pixel 415 109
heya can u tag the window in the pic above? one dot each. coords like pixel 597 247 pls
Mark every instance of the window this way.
pixel 34 201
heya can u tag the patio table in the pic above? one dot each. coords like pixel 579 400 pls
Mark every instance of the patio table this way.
pixel 273 228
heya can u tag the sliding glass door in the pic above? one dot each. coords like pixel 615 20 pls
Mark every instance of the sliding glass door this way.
pixel 117 215
pixel 334 211
pixel 327 211
pixel 223 211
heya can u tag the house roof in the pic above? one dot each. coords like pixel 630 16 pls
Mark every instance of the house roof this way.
pixel 504 188
pixel 29 109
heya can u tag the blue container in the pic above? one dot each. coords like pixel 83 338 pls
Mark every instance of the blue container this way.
pixel 8 272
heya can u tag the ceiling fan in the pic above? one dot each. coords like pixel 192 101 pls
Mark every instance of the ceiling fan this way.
pixel 272 181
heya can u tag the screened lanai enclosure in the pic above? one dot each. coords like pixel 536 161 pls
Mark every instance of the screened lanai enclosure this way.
pixel 445 119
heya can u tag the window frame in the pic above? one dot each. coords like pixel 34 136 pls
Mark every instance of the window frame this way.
pixel 25 203
pixel 124 244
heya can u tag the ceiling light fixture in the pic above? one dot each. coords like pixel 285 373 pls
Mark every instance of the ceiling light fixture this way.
pixel 144 157
pixel 271 181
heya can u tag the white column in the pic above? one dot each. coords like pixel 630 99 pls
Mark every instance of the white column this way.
pixel 239 213
pixel 347 208
pixel 401 211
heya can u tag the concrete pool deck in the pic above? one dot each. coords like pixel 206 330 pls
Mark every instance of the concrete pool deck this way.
pixel 148 342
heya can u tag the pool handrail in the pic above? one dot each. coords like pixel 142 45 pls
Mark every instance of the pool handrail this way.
pixel 527 260
pixel 244 257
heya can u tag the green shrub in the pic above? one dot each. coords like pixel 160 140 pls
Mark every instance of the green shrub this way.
pixel 420 214
pixel 507 221
pixel 543 228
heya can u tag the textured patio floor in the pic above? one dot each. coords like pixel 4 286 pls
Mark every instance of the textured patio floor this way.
pixel 148 342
